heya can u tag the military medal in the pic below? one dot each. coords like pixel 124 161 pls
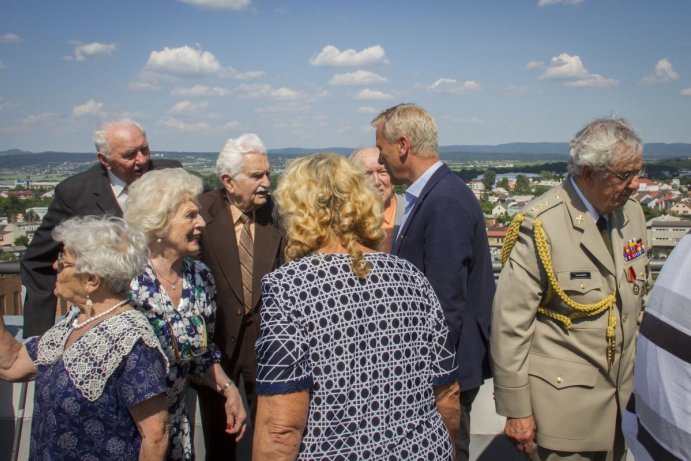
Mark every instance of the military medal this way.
pixel 633 249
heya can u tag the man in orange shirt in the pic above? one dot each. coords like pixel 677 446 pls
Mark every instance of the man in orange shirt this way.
pixel 377 175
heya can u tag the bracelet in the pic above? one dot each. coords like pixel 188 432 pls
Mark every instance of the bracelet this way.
pixel 226 386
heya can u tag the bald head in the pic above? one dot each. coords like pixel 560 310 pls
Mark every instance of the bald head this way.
pixel 375 172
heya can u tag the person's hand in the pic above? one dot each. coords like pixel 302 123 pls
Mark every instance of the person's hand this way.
pixel 236 418
pixel 521 431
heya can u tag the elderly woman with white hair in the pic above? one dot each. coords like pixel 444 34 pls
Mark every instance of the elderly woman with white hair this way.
pixel 100 372
pixel 177 294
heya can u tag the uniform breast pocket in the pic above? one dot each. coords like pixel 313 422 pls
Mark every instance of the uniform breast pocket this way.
pixel 583 285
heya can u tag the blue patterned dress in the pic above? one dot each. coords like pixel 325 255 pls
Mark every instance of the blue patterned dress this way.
pixel 191 323
pixel 83 394
pixel 368 350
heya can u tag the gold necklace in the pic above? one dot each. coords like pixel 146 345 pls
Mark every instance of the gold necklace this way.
pixel 158 274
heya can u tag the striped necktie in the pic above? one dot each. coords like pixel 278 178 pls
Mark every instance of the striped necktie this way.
pixel 246 251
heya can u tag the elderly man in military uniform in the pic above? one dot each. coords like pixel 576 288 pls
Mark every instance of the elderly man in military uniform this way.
pixel 565 313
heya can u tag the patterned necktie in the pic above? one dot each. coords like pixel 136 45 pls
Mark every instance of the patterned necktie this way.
pixel 246 250
pixel 604 232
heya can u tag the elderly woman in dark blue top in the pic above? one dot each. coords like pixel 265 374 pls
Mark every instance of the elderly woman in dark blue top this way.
pixel 100 372
pixel 355 360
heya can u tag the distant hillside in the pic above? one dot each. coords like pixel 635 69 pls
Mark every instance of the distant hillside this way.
pixel 527 151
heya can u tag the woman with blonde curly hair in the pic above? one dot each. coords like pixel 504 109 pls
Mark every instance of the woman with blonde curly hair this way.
pixel 354 357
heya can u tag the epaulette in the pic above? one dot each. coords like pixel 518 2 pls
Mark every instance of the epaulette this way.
pixel 546 201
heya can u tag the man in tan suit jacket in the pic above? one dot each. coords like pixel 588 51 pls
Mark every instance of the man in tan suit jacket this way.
pixel 565 313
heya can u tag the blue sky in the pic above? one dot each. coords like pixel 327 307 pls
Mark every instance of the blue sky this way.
pixel 314 73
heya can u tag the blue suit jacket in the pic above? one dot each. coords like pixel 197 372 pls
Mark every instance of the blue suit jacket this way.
pixel 445 237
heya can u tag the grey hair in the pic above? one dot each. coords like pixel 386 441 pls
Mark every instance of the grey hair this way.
pixel 411 120
pixel 154 198
pixel 104 246
pixel 230 160
pixel 596 144
pixel 100 136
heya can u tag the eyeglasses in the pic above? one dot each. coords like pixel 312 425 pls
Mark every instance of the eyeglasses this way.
pixel 627 176
pixel 61 264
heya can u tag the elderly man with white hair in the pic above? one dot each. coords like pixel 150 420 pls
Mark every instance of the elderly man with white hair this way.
pixel 241 243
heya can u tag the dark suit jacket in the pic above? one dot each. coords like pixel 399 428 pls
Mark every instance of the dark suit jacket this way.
pixel 446 238
pixel 220 253
pixel 86 193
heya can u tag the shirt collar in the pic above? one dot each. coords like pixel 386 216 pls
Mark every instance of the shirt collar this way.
pixel 591 209
pixel 415 189
pixel 116 183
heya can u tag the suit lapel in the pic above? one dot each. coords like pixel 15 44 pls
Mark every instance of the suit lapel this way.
pixel 586 229
pixel 221 234
pixel 267 240
pixel 407 226
pixel 103 193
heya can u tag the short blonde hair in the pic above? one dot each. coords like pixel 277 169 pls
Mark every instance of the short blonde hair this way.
pixel 324 197
pixel 154 198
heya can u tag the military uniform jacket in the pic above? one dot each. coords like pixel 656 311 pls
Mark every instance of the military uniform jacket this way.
pixel 561 376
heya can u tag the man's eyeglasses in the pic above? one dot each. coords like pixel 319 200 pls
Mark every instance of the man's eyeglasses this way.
pixel 627 176
pixel 61 264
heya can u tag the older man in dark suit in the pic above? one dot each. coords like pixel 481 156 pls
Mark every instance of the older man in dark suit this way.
pixel 123 154
pixel 240 244
pixel 443 233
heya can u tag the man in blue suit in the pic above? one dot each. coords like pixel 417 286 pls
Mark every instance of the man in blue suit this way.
pixel 443 233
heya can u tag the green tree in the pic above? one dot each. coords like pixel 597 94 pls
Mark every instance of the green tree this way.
pixel 486 205
pixel 650 213
pixel 522 185
pixel 504 183
pixel 488 179
pixel 21 241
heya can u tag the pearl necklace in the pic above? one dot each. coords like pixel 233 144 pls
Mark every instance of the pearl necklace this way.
pixel 76 325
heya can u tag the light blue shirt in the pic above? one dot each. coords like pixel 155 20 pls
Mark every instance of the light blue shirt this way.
pixel 414 190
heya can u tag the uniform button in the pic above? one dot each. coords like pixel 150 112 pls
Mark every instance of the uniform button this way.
pixel 560 379
pixel 624 318
pixel 582 286
pixel 232 339
pixel 239 311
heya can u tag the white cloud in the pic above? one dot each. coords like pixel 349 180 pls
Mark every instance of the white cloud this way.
pixel 373 94
pixel 38 118
pixel 234 5
pixel 452 86
pixel 184 61
pixel 535 65
pixel 249 75
pixel 330 56
pixel 284 107
pixel 557 2
pixel 90 107
pixel 257 91
pixel 592 80
pixel 515 90
pixel 232 125
pixel 85 51
pixel 685 92
pixel 366 110
pixel 188 107
pixel 573 72
pixel 359 77
pixel 9 37
pixel 664 73
pixel 144 86
pixel 198 91
pixel 5 104
pixel 565 66
pixel 178 125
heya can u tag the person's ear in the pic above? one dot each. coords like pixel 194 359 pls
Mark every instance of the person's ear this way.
pixel 104 160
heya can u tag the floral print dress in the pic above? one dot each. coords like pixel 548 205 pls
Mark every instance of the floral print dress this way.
pixel 183 333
